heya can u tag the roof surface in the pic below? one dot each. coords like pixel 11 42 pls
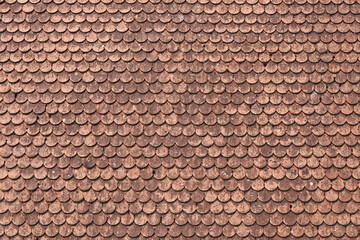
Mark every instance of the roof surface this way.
pixel 190 119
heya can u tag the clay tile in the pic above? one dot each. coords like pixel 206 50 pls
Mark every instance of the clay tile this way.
pixel 297 159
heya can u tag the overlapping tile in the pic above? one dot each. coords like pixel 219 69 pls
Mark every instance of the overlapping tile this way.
pixel 179 119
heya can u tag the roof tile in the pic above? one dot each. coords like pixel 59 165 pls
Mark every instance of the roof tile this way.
pixel 179 119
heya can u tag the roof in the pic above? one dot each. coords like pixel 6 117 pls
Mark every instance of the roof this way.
pixel 179 119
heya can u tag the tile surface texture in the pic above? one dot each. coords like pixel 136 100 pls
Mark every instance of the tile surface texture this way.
pixel 164 119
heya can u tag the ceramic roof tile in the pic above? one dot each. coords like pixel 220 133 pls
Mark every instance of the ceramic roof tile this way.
pixel 179 119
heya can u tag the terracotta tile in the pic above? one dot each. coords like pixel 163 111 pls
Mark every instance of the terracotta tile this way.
pixel 179 117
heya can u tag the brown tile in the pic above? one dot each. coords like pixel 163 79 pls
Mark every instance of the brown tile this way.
pixel 170 112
